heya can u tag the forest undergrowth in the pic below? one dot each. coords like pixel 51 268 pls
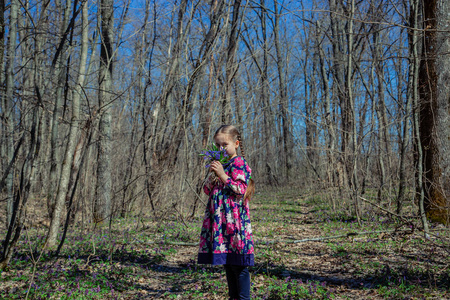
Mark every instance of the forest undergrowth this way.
pixel 141 258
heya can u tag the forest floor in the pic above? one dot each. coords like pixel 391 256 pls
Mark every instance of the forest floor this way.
pixel 143 259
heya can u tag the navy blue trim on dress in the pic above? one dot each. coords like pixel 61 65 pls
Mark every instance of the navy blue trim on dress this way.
pixel 226 259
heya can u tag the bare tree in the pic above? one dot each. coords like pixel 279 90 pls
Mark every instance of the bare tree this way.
pixel 231 67
pixel 59 66
pixel 67 166
pixel 102 201
pixel 283 96
pixel 8 105
pixel 27 173
pixel 412 91
pixel 269 127
pixel 384 157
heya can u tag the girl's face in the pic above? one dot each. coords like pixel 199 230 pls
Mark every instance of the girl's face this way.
pixel 228 143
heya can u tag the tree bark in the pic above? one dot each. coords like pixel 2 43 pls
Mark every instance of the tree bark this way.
pixel 265 99
pixel 102 201
pixel 339 87
pixel 9 104
pixel 231 67
pixel 55 128
pixel 412 39
pixel 63 187
pixel 329 120
pixel 434 109
pixel 383 129
pixel 351 118
pixel 27 174
pixel 283 98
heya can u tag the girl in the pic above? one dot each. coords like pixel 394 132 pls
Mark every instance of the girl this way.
pixel 226 237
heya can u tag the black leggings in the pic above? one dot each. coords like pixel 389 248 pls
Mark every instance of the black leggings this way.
pixel 238 278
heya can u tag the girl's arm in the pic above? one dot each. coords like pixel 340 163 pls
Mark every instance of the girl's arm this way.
pixel 239 177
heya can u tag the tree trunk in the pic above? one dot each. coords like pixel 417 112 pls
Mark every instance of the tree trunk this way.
pixel 28 171
pixel 412 38
pixel 352 133
pixel 283 98
pixel 338 71
pixel 265 99
pixel 9 104
pixel 102 201
pixel 434 89
pixel 231 67
pixel 331 135
pixel 384 149
pixel 63 187
pixel 55 143
pixel 3 128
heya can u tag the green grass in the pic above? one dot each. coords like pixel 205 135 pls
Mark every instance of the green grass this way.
pixel 133 260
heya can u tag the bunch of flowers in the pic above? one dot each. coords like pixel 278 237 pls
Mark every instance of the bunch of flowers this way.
pixel 214 153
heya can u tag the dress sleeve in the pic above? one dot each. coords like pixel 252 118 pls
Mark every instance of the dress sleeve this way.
pixel 208 186
pixel 239 176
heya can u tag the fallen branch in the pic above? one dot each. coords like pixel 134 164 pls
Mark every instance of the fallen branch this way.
pixel 325 238
pixel 385 210
pixel 162 242
pixel 406 221
pixel 316 239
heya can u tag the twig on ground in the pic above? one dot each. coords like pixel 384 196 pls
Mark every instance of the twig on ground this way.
pixel 315 239
pixel 385 210
pixel 180 215
pixel 262 243
pixel 34 262
pixel 325 238
pixel 198 196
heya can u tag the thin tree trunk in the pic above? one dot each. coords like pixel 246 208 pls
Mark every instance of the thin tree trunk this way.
pixel 9 104
pixel 231 67
pixel 331 138
pixel 338 71
pixel 283 98
pixel 418 153
pixel 384 149
pixel 265 99
pixel 352 108
pixel 102 201
pixel 205 109
pixel 77 162
pixel 55 143
pixel 27 173
pixel 63 187
pixel 3 101
pixel 412 37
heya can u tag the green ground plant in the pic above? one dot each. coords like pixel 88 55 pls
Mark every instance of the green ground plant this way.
pixel 143 258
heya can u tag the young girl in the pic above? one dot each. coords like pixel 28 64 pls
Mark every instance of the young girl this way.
pixel 226 236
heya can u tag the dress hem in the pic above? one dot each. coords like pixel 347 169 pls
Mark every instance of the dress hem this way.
pixel 226 259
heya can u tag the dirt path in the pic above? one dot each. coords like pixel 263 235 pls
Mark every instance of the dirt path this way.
pixel 343 269
pixel 131 264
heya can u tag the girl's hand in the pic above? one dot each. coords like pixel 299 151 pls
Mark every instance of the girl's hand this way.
pixel 217 168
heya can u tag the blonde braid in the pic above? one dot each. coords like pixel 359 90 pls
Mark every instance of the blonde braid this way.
pixel 251 184
pixel 241 144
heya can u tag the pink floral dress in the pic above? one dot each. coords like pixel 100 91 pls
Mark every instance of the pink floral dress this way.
pixel 226 236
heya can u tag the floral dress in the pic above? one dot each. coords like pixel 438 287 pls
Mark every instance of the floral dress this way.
pixel 226 236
